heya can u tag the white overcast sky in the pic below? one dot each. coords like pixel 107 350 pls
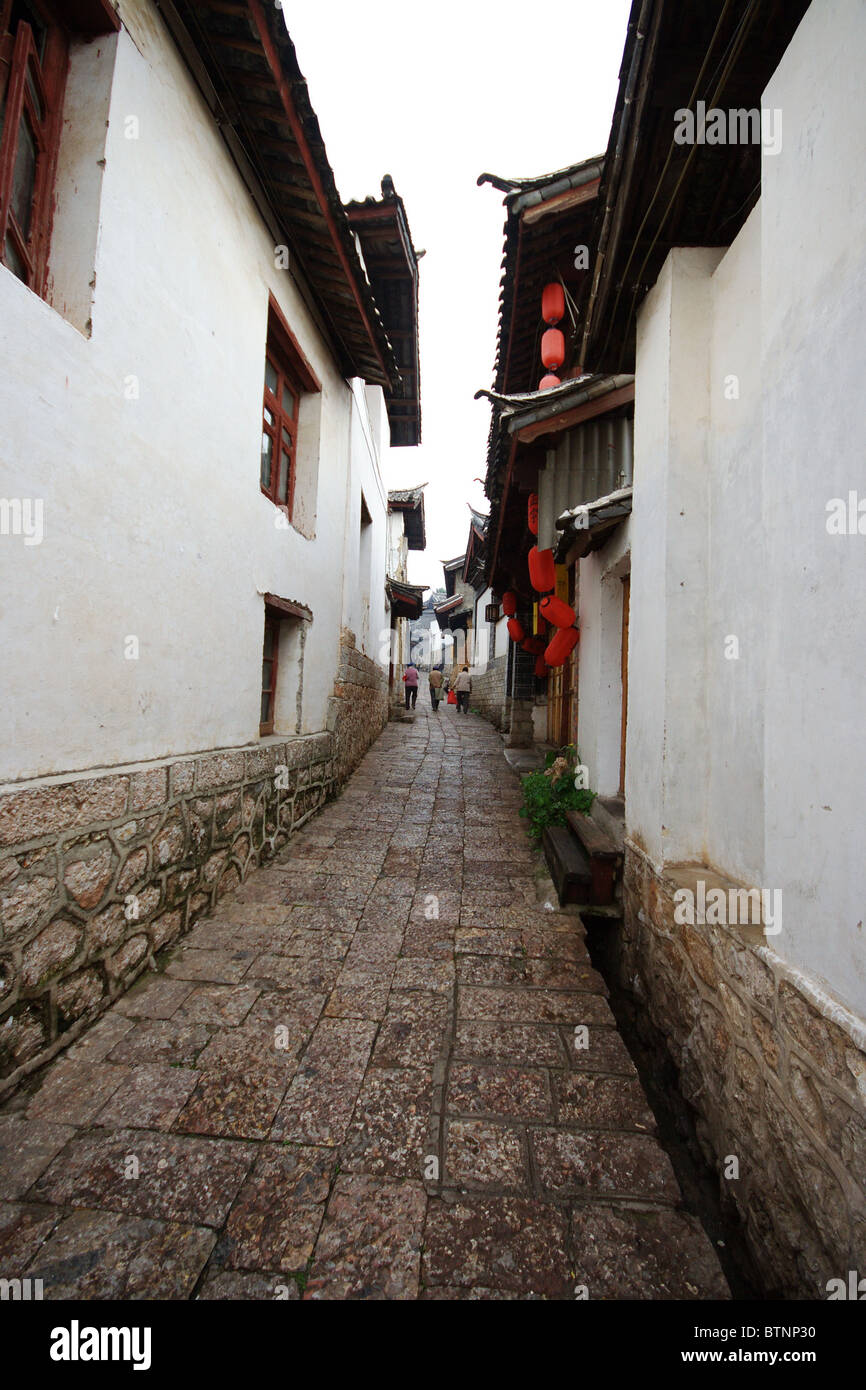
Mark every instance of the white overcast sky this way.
pixel 434 94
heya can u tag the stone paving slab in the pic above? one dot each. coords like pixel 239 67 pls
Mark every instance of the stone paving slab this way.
pixel 102 1255
pixel 514 1245
pixel 370 1244
pixel 384 1068
pixel 26 1148
pixel 150 1174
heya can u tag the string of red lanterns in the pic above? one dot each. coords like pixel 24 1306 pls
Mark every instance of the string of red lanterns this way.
pixel 542 564
pixel 553 340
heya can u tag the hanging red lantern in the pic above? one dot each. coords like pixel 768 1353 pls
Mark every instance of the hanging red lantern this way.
pixel 562 645
pixel 547 381
pixel 509 604
pixel 553 348
pixel 552 302
pixel 556 612
pixel 541 668
pixel 542 570
pixel 533 513
pixel 515 630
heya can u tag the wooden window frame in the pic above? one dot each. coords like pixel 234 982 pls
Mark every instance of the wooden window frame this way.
pixel 284 354
pixel 272 624
pixel 277 612
pixel 20 61
pixel 282 420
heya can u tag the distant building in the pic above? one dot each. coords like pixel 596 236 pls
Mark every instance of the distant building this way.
pixel 406 531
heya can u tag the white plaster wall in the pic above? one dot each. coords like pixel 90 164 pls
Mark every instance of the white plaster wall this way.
pixel 154 522
pixel 813 349
pixel 600 674
pixel 490 639
pixel 78 179
pixel 737 593
pixel 398 550
pixel 365 607
pixel 695 722
pixel 729 529
pixel 647 627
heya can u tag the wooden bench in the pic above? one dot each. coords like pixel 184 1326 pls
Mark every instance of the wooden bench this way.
pixel 605 858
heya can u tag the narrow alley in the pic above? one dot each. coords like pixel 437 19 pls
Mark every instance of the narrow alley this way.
pixel 384 1067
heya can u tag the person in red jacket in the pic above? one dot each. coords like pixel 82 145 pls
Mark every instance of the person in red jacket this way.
pixel 410 678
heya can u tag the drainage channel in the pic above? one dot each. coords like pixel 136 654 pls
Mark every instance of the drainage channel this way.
pixel 674 1117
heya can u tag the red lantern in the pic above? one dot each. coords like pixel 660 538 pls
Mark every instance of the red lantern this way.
pixel 556 612
pixel 547 381
pixel 535 645
pixel 542 570
pixel 515 630
pixel 553 348
pixel 563 644
pixel 552 302
pixel 541 668
pixel 533 513
pixel 509 604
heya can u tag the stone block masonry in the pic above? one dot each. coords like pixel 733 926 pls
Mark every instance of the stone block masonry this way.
pixel 774 1069
pixel 489 693
pixel 359 706
pixel 99 872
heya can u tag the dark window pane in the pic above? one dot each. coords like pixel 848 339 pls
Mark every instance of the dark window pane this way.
pixel 22 11
pixel 4 83
pixel 267 454
pixel 289 401
pixel 267 666
pixel 13 260
pixel 271 376
pixel 24 177
pixel 269 641
pixel 287 438
pixel 283 484
pixel 266 707
pixel 34 94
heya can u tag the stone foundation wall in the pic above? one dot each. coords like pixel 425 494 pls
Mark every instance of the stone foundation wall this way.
pixel 359 706
pixel 99 871
pixel 521 724
pixel 489 693
pixel 774 1069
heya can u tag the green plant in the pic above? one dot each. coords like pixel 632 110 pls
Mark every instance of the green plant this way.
pixel 549 793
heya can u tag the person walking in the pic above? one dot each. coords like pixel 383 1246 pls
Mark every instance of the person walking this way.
pixel 436 679
pixel 410 678
pixel 462 688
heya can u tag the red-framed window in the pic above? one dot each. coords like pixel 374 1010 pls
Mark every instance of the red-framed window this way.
pixel 279 430
pixel 33 62
pixel 288 376
pixel 270 662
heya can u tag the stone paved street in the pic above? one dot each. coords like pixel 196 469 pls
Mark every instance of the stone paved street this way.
pixel 384 1068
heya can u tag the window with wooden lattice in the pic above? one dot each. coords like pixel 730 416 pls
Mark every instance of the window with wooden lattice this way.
pixel 288 375
pixel 35 39
pixel 33 60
